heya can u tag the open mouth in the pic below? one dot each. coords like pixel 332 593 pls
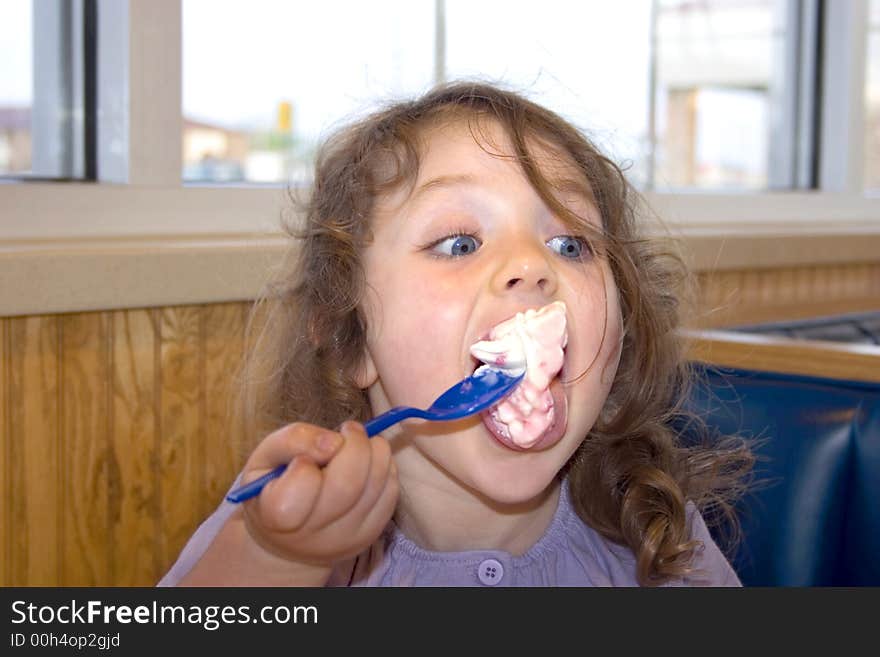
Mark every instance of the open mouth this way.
pixel 529 419
pixel 534 432
pixel 533 340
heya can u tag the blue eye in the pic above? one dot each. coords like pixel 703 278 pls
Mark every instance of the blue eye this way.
pixel 457 245
pixel 569 246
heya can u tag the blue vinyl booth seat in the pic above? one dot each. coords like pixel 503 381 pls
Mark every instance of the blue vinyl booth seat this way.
pixel 815 520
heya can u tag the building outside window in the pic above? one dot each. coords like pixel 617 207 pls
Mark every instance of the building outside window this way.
pixel 680 93
pixel 684 95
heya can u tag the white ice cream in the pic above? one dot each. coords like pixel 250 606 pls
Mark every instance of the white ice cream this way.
pixel 533 341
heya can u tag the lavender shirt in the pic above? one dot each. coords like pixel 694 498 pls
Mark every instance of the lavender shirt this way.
pixel 569 553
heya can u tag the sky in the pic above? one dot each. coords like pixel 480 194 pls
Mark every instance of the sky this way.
pixel 334 59
pixel 16 74
pixel 337 58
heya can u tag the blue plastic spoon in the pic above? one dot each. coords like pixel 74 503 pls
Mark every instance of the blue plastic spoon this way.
pixel 485 387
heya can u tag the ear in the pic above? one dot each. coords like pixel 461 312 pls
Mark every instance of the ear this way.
pixel 366 374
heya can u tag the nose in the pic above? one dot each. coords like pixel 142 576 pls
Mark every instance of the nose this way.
pixel 525 268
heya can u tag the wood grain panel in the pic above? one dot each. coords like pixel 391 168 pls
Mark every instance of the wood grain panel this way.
pixel 181 419
pixel 34 458
pixel 134 459
pixel 85 388
pixel 5 445
pixel 738 297
pixel 223 343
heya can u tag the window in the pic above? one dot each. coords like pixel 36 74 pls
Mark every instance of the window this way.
pixel 872 100
pixel 16 87
pixel 587 60
pixel 257 84
pixel 262 80
pixel 720 81
pixel 684 94
pixel 47 90
pixel 673 89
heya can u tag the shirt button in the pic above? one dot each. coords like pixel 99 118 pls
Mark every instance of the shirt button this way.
pixel 490 572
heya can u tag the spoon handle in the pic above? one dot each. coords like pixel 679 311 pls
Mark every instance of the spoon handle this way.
pixel 253 488
pixel 374 426
pixel 392 416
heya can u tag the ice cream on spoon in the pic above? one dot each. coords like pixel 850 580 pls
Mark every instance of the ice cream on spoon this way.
pixel 532 341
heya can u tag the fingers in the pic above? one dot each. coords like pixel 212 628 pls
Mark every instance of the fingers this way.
pixel 286 503
pixel 292 440
pixel 381 485
pixel 375 509
pixel 336 495
pixel 346 475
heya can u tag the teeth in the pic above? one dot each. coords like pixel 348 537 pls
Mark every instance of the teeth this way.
pixel 506 413
pixel 502 427
pixel 525 408
pixel 532 394
pixel 516 427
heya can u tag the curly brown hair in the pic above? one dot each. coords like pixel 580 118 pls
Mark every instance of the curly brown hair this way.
pixel 631 478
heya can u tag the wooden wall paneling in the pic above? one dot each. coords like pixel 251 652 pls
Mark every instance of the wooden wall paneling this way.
pixel 255 318
pixel 224 335
pixel 717 293
pixel 34 452
pixel 817 282
pixel 133 496
pixel 181 421
pixel 85 409
pixel 860 281
pixel 5 445
pixel 735 297
pixel 801 285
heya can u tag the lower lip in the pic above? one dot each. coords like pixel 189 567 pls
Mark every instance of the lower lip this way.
pixel 550 437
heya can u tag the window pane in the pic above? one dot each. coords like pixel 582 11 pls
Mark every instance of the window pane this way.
pixel 587 60
pixel 263 80
pixel 872 100
pixel 16 86
pixel 719 86
pixel 255 109
pixel 42 89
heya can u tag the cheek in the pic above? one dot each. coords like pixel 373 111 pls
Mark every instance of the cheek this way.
pixel 597 313
pixel 415 332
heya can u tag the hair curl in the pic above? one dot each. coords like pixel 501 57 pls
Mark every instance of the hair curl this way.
pixel 630 479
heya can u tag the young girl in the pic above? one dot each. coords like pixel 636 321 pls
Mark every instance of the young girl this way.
pixel 428 224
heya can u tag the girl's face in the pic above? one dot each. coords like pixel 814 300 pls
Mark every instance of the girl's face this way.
pixel 469 247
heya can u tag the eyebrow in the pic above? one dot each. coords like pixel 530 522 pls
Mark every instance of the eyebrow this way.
pixel 440 182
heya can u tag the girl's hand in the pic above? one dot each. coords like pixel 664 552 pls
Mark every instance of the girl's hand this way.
pixel 318 515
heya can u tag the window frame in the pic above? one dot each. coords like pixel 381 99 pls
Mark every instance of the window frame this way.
pixel 140 199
